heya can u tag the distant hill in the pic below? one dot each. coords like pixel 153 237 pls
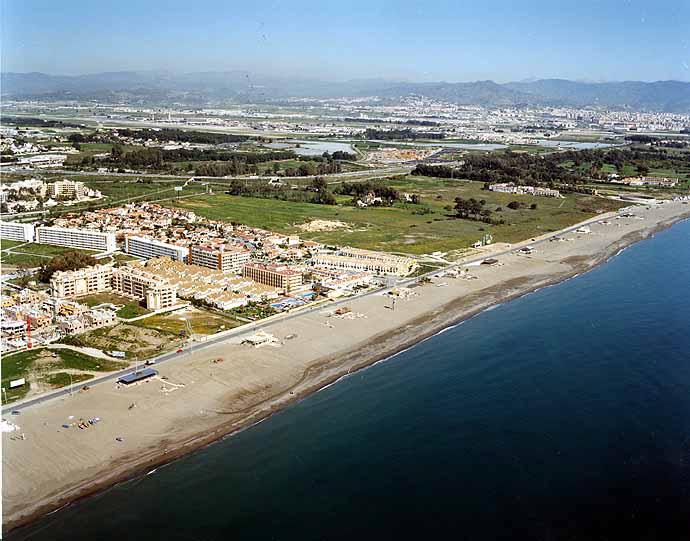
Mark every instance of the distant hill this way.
pixel 667 96
pixel 242 86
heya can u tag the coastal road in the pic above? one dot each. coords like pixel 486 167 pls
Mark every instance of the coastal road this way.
pixel 252 328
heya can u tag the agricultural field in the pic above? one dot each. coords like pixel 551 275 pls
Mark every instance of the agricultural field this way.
pixel 407 228
pixel 46 369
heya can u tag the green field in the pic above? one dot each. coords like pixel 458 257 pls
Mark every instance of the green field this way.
pixel 105 297
pixel 47 367
pixel 132 309
pixel 129 308
pixel 31 255
pixel 403 228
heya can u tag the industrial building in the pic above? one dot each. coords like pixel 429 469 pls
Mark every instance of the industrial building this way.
pixel 148 248
pixel 76 238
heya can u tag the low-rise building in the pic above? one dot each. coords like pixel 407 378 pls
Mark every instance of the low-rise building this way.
pixel 355 259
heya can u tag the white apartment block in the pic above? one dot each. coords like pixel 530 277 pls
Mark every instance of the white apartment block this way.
pixel 69 284
pixel 17 231
pixel 226 258
pixel 68 189
pixel 509 187
pixel 148 248
pixel 76 238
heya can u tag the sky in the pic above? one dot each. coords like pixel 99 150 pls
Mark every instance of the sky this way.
pixel 425 40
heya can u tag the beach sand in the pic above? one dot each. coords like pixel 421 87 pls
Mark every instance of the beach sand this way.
pixel 207 400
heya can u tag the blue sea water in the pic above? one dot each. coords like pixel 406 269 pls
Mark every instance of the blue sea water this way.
pixel 564 414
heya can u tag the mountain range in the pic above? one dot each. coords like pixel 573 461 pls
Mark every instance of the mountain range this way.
pixel 155 87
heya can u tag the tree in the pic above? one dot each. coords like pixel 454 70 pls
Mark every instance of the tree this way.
pixel 533 206
pixel 642 169
pixel 514 205
pixel 70 260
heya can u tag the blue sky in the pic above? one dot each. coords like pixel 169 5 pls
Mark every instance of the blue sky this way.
pixel 417 41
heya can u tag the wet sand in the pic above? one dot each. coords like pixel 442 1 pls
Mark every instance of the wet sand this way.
pixel 207 400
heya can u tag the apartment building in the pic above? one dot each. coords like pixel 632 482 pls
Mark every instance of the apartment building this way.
pixel 17 231
pixel 67 189
pixel 273 275
pixel 356 259
pixel 69 284
pixel 76 238
pixel 226 258
pixel 133 281
pixel 148 248
pixel 509 187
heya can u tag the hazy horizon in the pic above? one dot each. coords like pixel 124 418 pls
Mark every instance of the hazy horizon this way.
pixel 393 41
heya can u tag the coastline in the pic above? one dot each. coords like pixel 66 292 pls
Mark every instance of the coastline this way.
pixel 238 411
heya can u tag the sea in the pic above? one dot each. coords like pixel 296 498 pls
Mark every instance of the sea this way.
pixel 564 414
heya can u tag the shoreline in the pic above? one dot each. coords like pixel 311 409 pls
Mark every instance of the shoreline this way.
pixel 326 371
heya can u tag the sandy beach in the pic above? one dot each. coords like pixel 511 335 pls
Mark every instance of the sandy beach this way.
pixel 202 400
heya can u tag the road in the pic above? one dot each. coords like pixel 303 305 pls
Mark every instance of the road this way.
pixel 254 327
pixel 393 170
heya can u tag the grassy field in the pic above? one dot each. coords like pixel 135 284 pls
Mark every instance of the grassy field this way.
pixel 31 255
pixel 201 322
pixel 403 228
pixel 101 298
pixel 130 308
pixel 40 366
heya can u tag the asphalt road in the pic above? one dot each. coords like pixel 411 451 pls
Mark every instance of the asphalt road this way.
pixel 244 330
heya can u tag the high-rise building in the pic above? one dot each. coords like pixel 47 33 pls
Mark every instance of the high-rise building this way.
pixel 76 238
pixel 17 231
